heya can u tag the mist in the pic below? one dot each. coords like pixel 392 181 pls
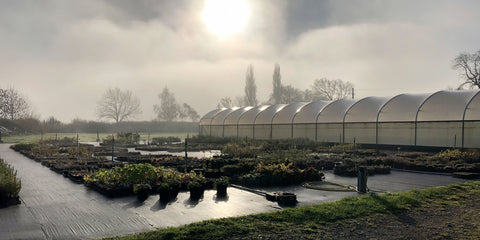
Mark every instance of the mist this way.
pixel 63 55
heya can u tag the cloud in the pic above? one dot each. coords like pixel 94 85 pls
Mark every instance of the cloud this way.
pixel 63 55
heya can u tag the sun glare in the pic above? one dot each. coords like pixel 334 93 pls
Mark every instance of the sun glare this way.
pixel 225 17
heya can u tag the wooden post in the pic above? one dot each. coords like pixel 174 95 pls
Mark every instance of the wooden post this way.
pixel 362 179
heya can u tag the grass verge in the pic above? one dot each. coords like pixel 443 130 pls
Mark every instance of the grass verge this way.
pixel 312 217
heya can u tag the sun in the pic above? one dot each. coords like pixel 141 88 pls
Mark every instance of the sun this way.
pixel 225 17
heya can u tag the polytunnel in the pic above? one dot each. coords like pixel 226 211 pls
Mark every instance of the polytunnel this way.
pixel 396 119
pixel 440 119
pixel 360 120
pixel 206 121
pixel 230 128
pixel 282 121
pixel 305 120
pixel 218 122
pixel 247 121
pixel 330 121
pixel 471 127
pixel 262 128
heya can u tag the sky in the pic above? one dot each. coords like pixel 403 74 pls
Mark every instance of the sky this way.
pixel 62 54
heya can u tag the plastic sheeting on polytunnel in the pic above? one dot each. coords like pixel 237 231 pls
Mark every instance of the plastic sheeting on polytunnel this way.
pixel 305 120
pixel 330 121
pixel 471 128
pixel 206 121
pixel 247 120
pixel 231 122
pixel 262 129
pixel 282 121
pixel 218 122
pixel 396 119
pixel 440 119
pixel 361 120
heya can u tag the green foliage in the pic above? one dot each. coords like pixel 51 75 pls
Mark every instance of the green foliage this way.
pixel 240 150
pixel 221 181
pixel 456 154
pixel 24 146
pixel 141 187
pixel 344 148
pixel 82 151
pixel 128 174
pixel 10 185
pixel 269 174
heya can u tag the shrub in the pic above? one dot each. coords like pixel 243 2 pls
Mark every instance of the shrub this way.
pixel 221 181
pixel 128 174
pixel 165 140
pixel 10 185
pixel 137 188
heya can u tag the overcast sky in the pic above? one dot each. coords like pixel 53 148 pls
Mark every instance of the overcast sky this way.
pixel 62 55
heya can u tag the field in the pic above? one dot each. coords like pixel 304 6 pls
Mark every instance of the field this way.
pixel 83 137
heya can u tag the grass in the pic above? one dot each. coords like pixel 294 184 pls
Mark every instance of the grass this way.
pixel 308 218
pixel 83 137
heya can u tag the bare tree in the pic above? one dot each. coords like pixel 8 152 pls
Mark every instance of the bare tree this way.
pixel 168 109
pixel 325 89
pixel 277 85
pixel 225 102
pixel 469 67
pixel 250 88
pixel 118 105
pixel 191 113
pixel 12 105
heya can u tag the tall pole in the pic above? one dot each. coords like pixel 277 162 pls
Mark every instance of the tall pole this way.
pixel 113 146
pixel 186 155
pixel 353 93
pixel 78 146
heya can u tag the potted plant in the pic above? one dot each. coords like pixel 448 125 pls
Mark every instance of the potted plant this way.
pixel 174 188
pixel 142 190
pixel 196 190
pixel 221 185
pixel 164 192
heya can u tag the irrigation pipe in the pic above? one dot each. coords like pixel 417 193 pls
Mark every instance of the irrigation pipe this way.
pixel 340 188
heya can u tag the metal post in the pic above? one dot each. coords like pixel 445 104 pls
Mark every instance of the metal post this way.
pixel 455 141
pixel 78 147
pixel 98 136
pixel 148 139
pixel 362 180
pixel 113 147
pixel 186 155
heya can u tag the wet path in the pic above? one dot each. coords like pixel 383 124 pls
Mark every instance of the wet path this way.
pixel 53 207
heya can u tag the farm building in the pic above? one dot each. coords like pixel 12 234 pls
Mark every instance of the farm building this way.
pixel 440 119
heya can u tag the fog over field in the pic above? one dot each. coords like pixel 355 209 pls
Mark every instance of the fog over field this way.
pixel 63 55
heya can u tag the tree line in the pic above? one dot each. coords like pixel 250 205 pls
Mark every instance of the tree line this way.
pixel 120 105
pixel 322 89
